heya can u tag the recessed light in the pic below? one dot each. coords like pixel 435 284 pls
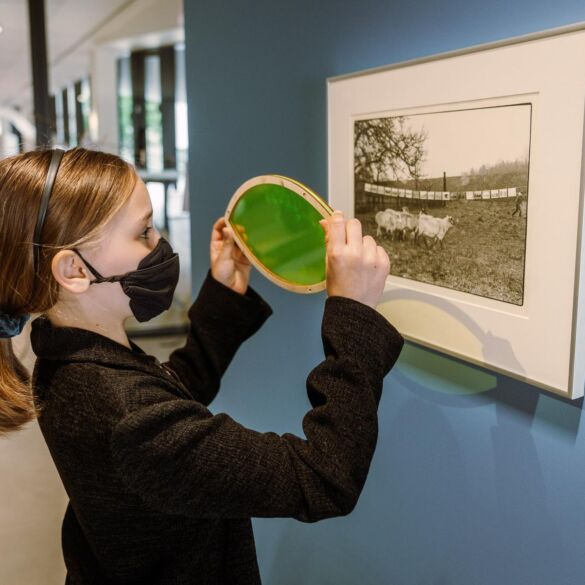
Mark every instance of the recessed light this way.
pixel 1 29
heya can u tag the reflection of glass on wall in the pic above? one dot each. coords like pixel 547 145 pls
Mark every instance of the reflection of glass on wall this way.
pixel 153 114
pixel 126 127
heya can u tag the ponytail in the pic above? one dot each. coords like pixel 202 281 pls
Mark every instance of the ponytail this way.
pixel 91 187
pixel 16 398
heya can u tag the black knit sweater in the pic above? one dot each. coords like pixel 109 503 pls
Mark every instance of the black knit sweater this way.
pixel 161 491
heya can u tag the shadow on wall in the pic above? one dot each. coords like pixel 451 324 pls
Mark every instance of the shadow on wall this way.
pixel 522 509
pixel 448 381
pixel 431 491
pixel 453 380
pixel 521 519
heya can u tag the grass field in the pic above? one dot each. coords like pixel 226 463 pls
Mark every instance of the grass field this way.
pixel 483 254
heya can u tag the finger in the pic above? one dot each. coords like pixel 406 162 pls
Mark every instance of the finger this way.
pixel 335 232
pixel 241 231
pixel 370 249
pixel 216 233
pixel 241 259
pixel 227 230
pixel 354 235
pixel 238 252
pixel 383 260
pixel 325 225
pixel 227 247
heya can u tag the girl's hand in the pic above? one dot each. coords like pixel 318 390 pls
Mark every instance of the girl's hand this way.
pixel 229 265
pixel 356 266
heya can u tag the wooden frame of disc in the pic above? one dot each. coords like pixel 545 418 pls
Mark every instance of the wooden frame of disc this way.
pixel 303 191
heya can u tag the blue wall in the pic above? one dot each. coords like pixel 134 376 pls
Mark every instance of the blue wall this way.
pixel 477 479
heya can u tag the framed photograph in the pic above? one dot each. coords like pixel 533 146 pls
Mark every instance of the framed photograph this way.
pixel 467 167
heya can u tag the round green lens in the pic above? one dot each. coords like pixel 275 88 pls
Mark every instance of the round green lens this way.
pixel 281 229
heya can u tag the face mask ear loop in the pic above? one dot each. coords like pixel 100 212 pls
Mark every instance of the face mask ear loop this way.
pixel 99 277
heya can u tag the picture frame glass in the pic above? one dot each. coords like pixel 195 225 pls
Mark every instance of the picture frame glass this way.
pixel 458 176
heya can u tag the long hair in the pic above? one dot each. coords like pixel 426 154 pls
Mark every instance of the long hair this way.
pixel 90 188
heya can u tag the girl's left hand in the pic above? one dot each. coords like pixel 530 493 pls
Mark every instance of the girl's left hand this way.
pixel 229 265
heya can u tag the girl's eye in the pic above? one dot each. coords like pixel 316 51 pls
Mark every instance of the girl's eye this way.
pixel 145 232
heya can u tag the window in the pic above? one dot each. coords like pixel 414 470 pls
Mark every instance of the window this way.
pixel 152 108
pixel 70 108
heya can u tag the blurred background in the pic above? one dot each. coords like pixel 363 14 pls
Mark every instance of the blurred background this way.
pixel 108 75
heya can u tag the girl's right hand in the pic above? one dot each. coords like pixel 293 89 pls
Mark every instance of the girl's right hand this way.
pixel 356 266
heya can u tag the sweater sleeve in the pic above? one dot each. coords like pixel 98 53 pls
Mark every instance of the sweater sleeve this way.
pixel 180 459
pixel 220 319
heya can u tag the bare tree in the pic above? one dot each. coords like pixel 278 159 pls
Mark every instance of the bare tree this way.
pixel 384 149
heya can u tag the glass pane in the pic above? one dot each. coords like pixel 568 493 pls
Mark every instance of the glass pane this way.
pixel 71 105
pixel 153 99
pixel 126 125
pixel 181 133
pixel 60 122
pixel 282 230
pixel 181 122
pixel 85 99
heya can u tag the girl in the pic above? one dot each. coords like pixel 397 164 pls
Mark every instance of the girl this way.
pixel 161 491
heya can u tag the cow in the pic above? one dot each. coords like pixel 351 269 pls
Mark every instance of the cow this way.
pixel 433 228
pixel 384 220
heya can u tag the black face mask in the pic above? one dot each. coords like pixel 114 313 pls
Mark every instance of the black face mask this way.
pixel 152 285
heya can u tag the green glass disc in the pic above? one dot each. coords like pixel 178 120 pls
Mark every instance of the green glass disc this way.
pixel 281 229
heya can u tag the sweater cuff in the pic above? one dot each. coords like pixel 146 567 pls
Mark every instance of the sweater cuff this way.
pixel 356 331
pixel 240 314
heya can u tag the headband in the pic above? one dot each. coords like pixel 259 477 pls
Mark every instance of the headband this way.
pixel 49 182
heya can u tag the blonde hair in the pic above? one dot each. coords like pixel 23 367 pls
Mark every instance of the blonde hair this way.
pixel 90 188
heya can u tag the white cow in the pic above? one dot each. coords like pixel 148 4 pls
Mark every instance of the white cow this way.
pixel 433 228
pixel 399 218
pixel 395 223
pixel 385 221
pixel 411 223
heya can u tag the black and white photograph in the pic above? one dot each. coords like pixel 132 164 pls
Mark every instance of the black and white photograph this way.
pixel 446 194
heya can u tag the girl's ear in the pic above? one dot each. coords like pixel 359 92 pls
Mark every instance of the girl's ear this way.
pixel 69 271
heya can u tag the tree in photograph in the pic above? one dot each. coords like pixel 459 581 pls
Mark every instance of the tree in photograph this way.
pixel 385 149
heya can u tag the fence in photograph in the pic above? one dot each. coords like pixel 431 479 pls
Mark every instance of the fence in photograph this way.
pixel 491 194
pixel 440 195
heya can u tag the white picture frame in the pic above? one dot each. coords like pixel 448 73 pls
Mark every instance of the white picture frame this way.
pixel 542 340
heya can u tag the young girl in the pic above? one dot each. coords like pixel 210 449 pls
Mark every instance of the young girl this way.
pixel 162 491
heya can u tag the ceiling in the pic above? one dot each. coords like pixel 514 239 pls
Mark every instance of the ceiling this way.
pixel 70 24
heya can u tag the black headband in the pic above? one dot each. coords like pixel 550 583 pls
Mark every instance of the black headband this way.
pixel 49 182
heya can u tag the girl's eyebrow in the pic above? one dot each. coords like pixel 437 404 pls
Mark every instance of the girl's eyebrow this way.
pixel 145 217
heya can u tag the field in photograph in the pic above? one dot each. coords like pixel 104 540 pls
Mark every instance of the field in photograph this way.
pixel 483 254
